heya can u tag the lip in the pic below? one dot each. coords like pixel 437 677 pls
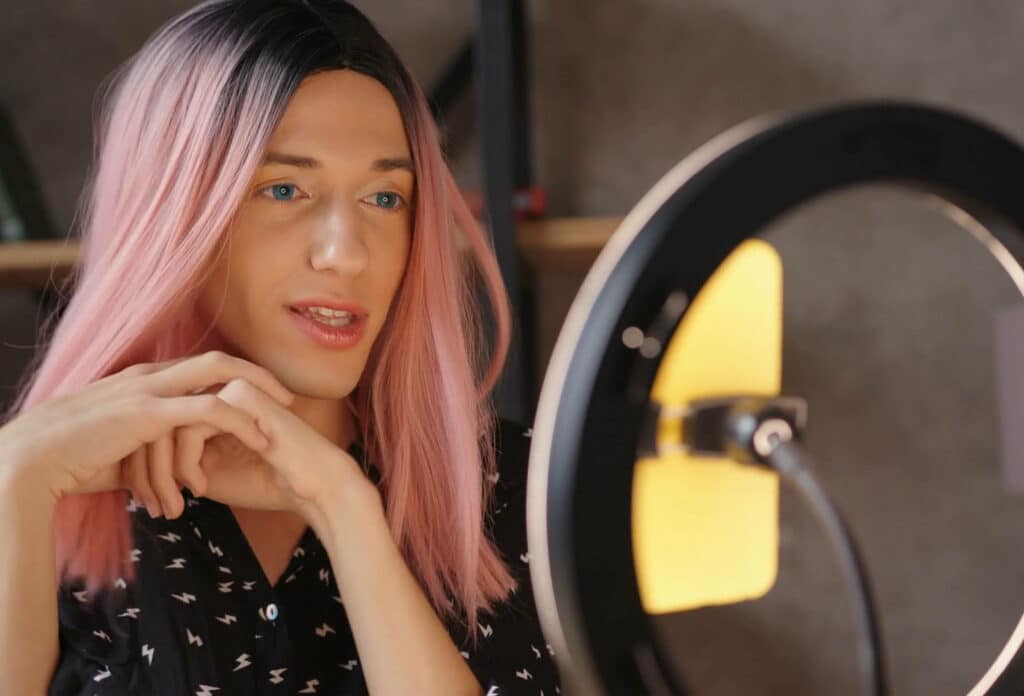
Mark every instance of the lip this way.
pixel 350 307
pixel 328 336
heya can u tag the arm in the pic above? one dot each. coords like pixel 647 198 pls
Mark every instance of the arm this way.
pixel 28 582
pixel 403 645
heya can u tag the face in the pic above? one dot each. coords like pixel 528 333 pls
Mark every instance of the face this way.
pixel 327 216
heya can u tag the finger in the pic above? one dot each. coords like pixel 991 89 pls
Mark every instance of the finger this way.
pixel 209 409
pixel 161 475
pixel 188 450
pixel 216 367
pixel 137 477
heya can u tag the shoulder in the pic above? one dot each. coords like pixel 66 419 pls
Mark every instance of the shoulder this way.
pixel 512 452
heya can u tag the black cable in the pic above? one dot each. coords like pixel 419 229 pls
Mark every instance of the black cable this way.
pixel 793 465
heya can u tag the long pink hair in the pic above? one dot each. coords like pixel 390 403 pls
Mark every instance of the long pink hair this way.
pixel 179 138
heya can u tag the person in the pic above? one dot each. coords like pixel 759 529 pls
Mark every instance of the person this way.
pixel 259 454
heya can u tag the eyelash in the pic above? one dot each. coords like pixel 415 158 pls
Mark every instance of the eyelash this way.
pixel 401 200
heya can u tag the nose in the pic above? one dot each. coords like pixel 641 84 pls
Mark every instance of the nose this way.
pixel 339 242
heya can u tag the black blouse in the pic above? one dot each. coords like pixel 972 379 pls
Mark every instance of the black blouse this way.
pixel 202 618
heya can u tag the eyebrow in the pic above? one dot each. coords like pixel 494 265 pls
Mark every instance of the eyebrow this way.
pixel 386 164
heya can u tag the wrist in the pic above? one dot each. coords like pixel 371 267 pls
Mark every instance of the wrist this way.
pixel 21 479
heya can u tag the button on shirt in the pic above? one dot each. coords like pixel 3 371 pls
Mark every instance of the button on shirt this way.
pixel 202 618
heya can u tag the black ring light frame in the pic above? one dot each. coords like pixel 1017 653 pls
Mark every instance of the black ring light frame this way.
pixel 596 390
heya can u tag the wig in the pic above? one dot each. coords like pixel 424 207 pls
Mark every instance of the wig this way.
pixel 181 130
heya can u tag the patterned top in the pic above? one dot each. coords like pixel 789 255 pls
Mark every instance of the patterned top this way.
pixel 203 619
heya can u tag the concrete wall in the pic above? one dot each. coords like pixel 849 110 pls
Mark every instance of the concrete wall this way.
pixel 889 307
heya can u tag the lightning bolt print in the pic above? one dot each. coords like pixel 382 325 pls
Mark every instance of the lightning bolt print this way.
pixel 176 563
pixel 350 665
pixel 486 630
pixel 535 650
pixel 100 676
pixel 136 554
pixel 248 584
pixel 215 550
pixel 242 661
pixel 148 652
pixel 185 597
pixel 171 537
pixel 81 596
pixel 324 630
pixel 275 675
pixel 224 569
pixel 129 613
pixel 225 586
pixel 299 551
pixel 523 674
pixel 99 633
pixel 311 686
pixel 193 639
pixel 493 691
pixel 205 690
pixel 324 575
pixel 120 583
pixel 227 619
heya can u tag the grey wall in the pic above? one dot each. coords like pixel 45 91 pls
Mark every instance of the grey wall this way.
pixel 889 308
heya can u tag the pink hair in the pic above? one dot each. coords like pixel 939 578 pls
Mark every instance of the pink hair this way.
pixel 171 169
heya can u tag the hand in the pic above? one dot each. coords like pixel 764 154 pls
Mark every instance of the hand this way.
pixel 300 471
pixel 76 443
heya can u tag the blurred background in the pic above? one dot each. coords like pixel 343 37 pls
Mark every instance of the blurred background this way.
pixel 891 310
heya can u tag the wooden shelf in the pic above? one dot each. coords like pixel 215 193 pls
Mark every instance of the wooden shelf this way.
pixel 33 265
pixel 544 244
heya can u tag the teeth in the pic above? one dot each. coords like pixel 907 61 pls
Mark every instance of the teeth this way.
pixel 330 317
pixel 327 312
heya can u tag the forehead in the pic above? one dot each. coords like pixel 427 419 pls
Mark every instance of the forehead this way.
pixel 340 114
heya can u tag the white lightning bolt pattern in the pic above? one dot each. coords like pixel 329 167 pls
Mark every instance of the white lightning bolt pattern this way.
pixel 524 674
pixel 176 563
pixel 486 630
pixel 524 557
pixel 196 530
pixel 311 685
pixel 337 598
pixel 350 665
pixel 148 652
pixel 215 549
pixel 299 551
pixel 323 630
pixel 100 633
pixel 193 639
pixel 205 690
pixel 225 586
pixel 247 584
pixel 242 661
pixel 493 691
pixel 132 506
pixel 275 675
pixel 324 575
pixel 528 433
pixel 227 619
pixel 100 676
pixel 535 650
pixel 130 613
pixel 120 583
pixel 81 595
pixel 171 537
pixel 224 569
pixel 136 553
pixel 185 597
pixel 289 578
pixel 464 654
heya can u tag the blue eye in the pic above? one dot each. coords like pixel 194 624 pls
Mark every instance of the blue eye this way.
pixel 282 189
pixel 389 200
